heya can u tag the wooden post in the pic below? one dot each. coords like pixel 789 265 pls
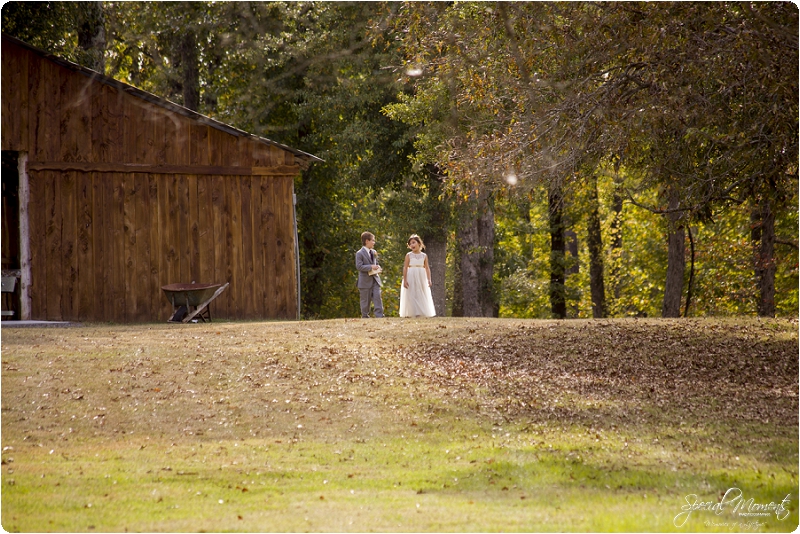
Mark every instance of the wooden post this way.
pixel 296 247
pixel 24 238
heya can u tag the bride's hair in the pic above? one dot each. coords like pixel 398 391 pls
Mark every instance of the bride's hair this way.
pixel 416 238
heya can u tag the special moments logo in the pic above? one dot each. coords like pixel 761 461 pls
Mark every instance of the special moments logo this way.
pixel 734 503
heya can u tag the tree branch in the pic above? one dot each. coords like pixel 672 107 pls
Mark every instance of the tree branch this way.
pixel 787 242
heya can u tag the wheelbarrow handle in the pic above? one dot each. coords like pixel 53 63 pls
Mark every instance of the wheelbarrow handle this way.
pixel 202 306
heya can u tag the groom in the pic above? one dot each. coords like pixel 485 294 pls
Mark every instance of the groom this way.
pixel 369 278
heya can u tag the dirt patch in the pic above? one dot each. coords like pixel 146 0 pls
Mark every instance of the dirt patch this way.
pixel 362 378
pixel 622 371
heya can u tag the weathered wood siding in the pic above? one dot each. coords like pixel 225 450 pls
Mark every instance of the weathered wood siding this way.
pixel 127 196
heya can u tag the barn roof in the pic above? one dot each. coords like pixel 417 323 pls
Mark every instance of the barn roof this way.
pixel 304 157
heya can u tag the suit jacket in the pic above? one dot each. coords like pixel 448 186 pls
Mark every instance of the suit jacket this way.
pixel 364 265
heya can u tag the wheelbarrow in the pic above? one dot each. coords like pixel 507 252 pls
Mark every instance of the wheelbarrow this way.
pixel 191 300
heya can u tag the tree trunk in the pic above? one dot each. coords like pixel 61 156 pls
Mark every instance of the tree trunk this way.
pixel 572 265
pixel 486 261
pixel 523 205
pixel 476 244
pixel 558 301
pixel 763 235
pixel 190 67
pixel 595 244
pixel 616 237
pixel 690 285
pixel 436 248
pixel 92 36
pixel 458 292
pixel 676 263
pixel 436 241
pixel 470 255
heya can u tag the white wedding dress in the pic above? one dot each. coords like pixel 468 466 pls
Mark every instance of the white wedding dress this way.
pixel 416 301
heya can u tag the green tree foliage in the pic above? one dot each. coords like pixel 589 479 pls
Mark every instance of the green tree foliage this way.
pixel 682 95
pixel 364 183
pixel 72 30
pixel 209 56
pixel 420 109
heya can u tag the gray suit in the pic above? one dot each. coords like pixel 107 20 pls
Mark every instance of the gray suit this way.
pixel 368 286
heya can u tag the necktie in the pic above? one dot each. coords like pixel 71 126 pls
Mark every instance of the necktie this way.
pixel 372 256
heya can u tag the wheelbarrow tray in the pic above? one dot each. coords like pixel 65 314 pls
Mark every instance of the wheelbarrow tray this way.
pixel 189 294
pixel 194 297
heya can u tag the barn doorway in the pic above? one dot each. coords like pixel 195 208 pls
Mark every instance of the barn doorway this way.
pixel 9 239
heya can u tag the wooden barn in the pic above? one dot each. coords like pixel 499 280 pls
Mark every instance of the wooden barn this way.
pixel 110 193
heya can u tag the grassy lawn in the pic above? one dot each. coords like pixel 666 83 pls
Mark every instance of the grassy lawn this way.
pixel 402 425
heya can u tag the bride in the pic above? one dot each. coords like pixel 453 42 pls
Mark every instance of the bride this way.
pixel 415 293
